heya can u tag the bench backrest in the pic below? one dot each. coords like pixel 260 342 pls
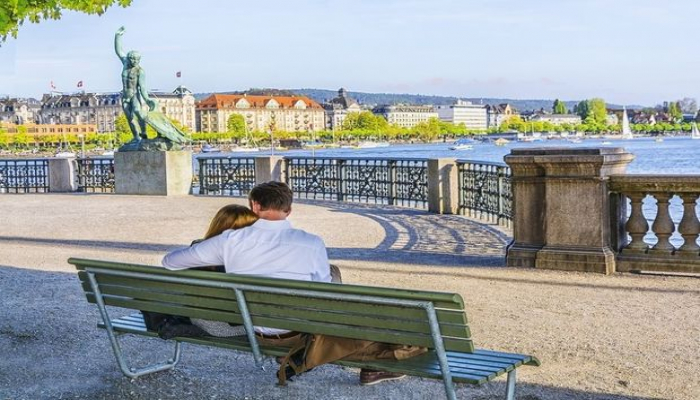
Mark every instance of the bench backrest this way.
pixel 313 307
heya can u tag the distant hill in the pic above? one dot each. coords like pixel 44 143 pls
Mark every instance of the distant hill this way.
pixel 372 99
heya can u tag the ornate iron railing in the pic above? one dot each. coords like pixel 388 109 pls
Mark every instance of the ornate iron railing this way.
pixel 226 176
pixel 402 182
pixel 96 175
pixel 485 191
pixel 660 228
pixel 24 176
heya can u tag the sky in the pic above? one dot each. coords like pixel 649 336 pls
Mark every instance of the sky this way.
pixel 625 51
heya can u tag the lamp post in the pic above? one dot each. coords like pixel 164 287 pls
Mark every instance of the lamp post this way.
pixel 82 145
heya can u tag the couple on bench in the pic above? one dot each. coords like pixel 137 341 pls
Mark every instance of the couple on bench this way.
pixel 260 241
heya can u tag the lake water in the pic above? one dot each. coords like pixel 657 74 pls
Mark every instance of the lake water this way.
pixel 672 156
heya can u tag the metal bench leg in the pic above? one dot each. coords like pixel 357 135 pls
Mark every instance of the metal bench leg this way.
pixel 440 351
pixel 510 386
pixel 113 340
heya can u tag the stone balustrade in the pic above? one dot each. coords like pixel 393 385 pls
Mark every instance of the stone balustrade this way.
pixel 669 202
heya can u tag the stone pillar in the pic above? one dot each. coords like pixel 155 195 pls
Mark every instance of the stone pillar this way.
pixel 63 175
pixel 163 173
pixel 528 188
pixel 270 168
pixel 443 189
pixel 571 224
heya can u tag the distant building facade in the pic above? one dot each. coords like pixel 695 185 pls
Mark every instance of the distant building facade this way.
pixel 178 105
pixel 473 116
pixel 261 113
pixel 499 113
pixel 338 108
pixel 98 109
pixel 19 111
pixel 557 119
pixel 39 130
pixel 102 109
pixel 406 116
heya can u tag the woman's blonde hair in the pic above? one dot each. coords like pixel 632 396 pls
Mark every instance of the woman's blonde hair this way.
pixel 231 216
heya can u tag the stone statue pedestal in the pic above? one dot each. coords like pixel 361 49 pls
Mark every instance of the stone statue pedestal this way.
pixel 156 173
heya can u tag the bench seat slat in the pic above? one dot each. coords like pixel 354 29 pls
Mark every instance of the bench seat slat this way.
pixel 466 368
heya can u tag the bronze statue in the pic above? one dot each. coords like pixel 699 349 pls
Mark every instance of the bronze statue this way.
pixel 140 109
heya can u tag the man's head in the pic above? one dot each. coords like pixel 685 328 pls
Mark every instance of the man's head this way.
pixel 134 58
pixel 271 200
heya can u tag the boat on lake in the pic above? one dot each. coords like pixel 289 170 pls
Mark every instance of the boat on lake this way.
pixel 626 130
pixel 501 142
pixel 694 133
pixel 368 144
pixel 64 154
pixel 207 148
pixel 243 149
pixel 463 144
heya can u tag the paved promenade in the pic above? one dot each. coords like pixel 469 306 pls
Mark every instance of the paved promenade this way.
pixel 598 337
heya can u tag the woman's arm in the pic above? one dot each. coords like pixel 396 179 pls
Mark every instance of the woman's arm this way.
pixel 206 253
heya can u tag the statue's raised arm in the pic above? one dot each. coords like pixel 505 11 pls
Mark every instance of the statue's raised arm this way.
pixel 118 43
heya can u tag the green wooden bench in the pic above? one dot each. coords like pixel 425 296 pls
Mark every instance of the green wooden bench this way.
pixel 431 319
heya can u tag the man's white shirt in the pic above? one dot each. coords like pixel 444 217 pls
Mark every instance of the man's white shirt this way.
pixel 267 248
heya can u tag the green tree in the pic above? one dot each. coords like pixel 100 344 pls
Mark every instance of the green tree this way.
pixel 598 110
pixel 559 107
pixel 582 109
pixel 4 137
pixel 236 126
pixel 13 13
pixel 365 123
pixel 21 138
pixel 428 130
pixel 674 111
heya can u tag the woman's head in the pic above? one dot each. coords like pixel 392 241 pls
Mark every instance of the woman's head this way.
pixel 231 216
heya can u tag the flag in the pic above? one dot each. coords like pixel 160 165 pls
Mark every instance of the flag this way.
pixel 53 86
pixel 80 83
pixel 178 74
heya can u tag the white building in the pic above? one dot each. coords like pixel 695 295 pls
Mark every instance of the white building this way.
pixel 81 108
pixel 338 108
pixel 473 116
pixel 261 113
pixel 499 113
pixel 406 116
pixel 102 109
pixel 19 111
pixel 178 105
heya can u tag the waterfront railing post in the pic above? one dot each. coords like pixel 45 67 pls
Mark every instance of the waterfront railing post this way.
pixel 501 209
pixel 342 179
pixel 63 175
pixel 562 207
pixel 443 186
pixel 270 168
pixel 393 178
pixel 203 183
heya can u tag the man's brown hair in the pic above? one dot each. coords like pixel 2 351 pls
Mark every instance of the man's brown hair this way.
pixel 272 196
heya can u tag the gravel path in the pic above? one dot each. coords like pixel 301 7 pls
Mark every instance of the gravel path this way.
pixel 599 337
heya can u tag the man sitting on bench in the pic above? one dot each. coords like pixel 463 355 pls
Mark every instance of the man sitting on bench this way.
pixel 271 248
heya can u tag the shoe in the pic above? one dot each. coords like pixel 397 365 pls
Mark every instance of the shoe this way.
pixel 372 377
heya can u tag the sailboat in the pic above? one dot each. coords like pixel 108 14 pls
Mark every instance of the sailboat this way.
pixel 694 133
pixel 64 150
pixel 626 131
